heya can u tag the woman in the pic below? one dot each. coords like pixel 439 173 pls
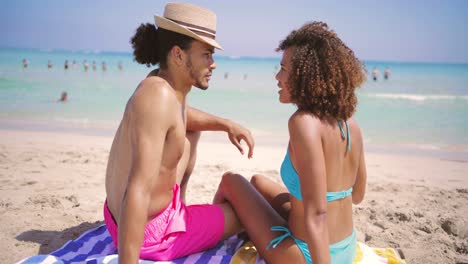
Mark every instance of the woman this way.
pixel 324 169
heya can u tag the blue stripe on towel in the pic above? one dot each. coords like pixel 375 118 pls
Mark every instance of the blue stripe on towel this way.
pixel 100 246
pixel 206 256
pixel 229 252
pixel 96 250
pixel 226 259
pixel 74 246
pixel 36 259
pixel 180 260
pixel 94 245
pixel 93 261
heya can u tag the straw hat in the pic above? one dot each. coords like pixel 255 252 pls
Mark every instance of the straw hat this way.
pixel 190 20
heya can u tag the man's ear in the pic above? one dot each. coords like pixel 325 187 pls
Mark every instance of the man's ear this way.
pixel 177 55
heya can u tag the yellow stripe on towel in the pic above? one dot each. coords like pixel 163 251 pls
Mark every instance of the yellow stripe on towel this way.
pixel 246 254
pixel 389 253
pixel 366 254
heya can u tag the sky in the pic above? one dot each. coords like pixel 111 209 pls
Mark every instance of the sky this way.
pixel 399 30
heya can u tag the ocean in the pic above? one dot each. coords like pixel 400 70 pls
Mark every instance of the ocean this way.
pixel 421 109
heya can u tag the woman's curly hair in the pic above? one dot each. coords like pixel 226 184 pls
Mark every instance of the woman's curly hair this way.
pixel 325 72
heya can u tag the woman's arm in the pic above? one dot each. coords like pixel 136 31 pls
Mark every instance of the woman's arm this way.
pixel 308 159
pixel 359 187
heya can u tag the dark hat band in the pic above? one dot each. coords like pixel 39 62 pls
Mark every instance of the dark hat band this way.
pixel 206 32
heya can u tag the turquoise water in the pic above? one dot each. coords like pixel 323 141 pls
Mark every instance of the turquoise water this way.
pixel 421 107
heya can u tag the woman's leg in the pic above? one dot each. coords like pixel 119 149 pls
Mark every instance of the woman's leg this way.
pixel 276 194
pixel 257 217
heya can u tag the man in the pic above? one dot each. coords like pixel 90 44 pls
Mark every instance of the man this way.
pixel 386 73
pixel 63 97
pixel 375 74
pixel 154 149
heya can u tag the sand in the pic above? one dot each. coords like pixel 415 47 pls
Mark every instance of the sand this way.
pixel 52 190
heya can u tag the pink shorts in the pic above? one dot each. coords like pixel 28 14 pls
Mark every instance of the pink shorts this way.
pixel 178 230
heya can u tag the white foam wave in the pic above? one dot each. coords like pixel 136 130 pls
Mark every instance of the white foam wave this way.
pixel 420 97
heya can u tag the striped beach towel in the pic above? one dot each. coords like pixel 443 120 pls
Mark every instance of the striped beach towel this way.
pixel 95 246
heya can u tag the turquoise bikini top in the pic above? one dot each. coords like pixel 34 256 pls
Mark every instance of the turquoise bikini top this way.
pixel 291 178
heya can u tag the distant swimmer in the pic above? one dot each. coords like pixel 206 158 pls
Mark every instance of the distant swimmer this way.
pixel 226 75
pixel 387 73
pixel 67 65
pixel 25 63
pixel 94 65
pixel 104 66
pixel 375 74
pixel 85 65
pixel 120 66
pixel 50 65
pixel 63 97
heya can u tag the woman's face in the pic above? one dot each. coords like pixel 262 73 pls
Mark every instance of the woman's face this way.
pixel 283 77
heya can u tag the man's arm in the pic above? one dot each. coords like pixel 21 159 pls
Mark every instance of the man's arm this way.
pixel 200 121
pixel 147 139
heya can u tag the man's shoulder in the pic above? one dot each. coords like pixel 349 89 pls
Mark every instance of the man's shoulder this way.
pixel 155 84
pixel 154 89
pixel 152 95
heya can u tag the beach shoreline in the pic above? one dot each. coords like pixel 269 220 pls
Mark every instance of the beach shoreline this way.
pixel 53 190
pixel 457 153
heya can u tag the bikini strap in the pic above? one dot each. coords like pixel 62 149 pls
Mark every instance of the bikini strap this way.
pixel 347 136
pixel 275 241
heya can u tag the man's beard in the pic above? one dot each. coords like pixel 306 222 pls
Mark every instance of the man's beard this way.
pixel 198 83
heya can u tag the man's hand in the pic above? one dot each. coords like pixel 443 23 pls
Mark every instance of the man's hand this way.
pixel 236 133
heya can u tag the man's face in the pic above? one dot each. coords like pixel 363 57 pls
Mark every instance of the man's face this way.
pixel 200 64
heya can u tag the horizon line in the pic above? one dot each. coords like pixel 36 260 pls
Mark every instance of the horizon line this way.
pixel 89 51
